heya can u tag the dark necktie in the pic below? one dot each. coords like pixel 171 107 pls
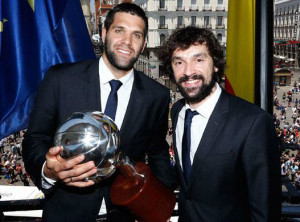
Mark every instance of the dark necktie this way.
pixel 112 101
pixel 186 143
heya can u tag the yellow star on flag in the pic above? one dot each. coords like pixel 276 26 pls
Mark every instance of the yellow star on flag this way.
pixel 2 24
pixel 31 3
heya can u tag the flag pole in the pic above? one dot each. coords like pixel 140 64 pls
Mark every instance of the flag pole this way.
pixel 264 55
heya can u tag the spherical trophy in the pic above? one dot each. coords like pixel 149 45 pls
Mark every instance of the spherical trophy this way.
pixel 93 134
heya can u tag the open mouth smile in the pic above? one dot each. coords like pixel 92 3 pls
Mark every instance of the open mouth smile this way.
pixel 123 51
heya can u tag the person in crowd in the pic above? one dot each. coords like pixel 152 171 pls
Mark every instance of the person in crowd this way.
pixel 297 179
pixel 141 115
pixel 19 170
pixel 2 145
pixel 25 179
pixel 226 148
pixel 283 169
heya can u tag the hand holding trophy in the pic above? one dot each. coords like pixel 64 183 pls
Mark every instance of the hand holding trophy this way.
pixel 96 136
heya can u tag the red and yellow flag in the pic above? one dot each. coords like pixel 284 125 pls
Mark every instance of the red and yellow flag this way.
pixel 240 51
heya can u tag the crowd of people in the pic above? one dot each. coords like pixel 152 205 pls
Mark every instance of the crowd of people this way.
pixel 11 164
pixel 287 122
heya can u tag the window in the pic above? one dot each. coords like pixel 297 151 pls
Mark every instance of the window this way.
pixel 162 20
pixel 193 2
pixel 179 3
pixel 219 37
pixel 220 2
pixel 220 21
pixel 206 2
pixel 162 4
pixel 193 21
pixel 206 21
pixel 180 20
pixel 162 39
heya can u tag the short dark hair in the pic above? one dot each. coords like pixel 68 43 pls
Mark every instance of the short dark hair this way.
pixel 131 8
pixel 186 37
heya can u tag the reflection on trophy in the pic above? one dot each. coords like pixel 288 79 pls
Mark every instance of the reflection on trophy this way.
pixel 97 137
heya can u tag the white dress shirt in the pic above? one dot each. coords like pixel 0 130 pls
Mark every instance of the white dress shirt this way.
pixel 198 125
pixel 124 91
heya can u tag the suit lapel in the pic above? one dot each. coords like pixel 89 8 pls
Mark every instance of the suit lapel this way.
pixel 211 132
pixel 136 101
pixel 90 85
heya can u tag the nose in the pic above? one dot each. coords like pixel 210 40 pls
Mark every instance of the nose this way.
pixel 189 69
pixel 127 39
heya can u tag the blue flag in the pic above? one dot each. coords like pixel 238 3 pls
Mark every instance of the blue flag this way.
pixel 35 35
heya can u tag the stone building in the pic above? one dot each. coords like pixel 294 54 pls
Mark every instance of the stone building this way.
pixel 286 32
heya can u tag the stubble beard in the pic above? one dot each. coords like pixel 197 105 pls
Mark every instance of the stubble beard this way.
pixel 114 61
pixel 202 91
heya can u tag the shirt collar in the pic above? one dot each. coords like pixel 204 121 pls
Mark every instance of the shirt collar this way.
pixel 106 75
pixel 206 108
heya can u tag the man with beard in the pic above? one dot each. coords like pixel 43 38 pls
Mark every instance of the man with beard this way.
pixel 225 148
pixel 141 115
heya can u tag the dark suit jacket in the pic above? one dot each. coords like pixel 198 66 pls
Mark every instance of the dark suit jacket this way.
pixel 235 175
pixel 69 88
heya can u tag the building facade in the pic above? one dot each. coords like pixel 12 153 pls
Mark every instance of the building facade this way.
pixel 286 33
pixel 165 16
pixel 85 5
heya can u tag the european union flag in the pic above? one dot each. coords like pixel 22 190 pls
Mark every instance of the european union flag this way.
pixel 34 35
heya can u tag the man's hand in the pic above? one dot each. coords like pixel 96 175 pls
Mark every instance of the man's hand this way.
pixel 71 172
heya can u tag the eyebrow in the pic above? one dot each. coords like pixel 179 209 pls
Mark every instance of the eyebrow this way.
pixel 200 54
pixel 122 27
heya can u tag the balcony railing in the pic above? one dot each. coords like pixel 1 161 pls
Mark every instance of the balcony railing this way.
pixel 220 8
pixel 206 8
pixel 290 204
pixel 180 8
pixel 207 26
pixel 220 26
pixel 195 25
pixel 162 8
pixel 194 8
pixel 179 26
pixel 163 26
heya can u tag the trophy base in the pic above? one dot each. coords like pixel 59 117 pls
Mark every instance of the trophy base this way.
pixel 143 195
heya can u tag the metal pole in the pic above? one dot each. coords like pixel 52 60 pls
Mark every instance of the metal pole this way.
pixel 264 54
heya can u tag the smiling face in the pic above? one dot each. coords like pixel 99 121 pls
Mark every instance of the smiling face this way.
pixel 193 73
pixel 124 42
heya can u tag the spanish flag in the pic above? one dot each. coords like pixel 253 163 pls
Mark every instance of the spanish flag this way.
pixel 240 51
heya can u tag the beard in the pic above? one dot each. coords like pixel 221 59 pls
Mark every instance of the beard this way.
pixel 201 92
pixel 113 58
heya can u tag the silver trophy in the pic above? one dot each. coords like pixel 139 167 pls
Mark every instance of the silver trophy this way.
pixel 93 134
pixel 96 136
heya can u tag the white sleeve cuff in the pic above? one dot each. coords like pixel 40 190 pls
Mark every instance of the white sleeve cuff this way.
pixel 47 183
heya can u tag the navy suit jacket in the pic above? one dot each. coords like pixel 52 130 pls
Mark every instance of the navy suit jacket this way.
pixel 69 88
pixel 235 176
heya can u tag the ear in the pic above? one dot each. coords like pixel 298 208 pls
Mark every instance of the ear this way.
pixel 216 69
pixel 103 35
